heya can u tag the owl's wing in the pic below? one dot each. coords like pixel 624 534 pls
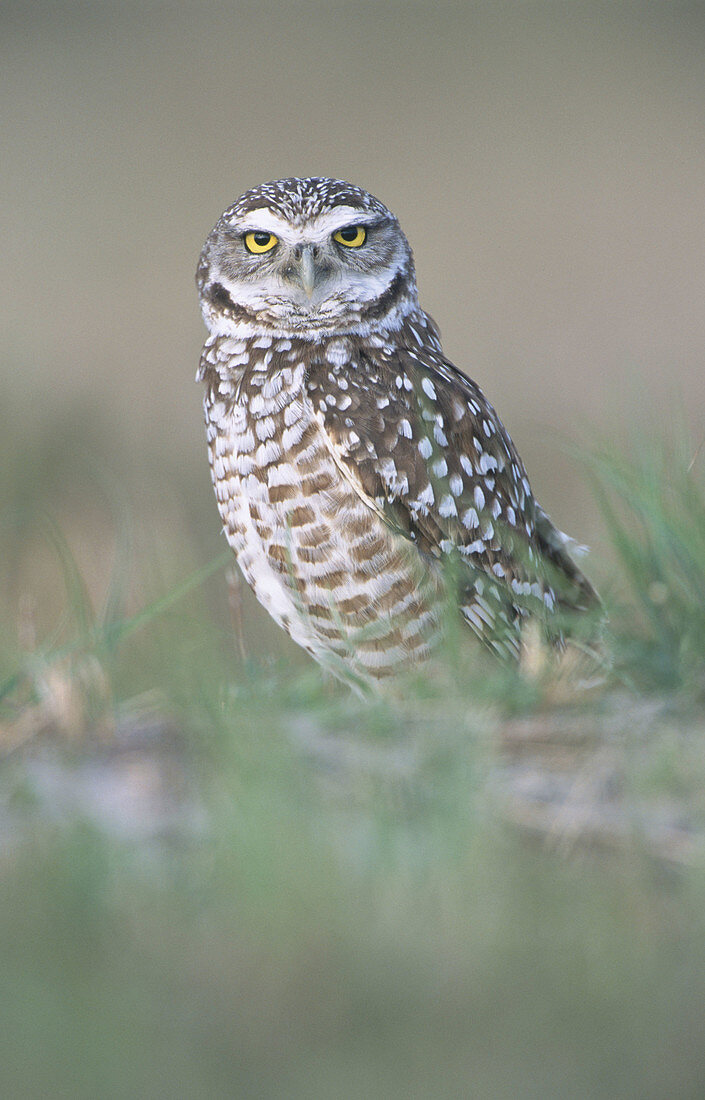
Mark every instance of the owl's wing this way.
pixel 423 445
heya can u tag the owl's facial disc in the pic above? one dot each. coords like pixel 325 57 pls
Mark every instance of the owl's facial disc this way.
pixel 305 274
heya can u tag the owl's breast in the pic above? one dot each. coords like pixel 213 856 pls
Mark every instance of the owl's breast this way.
pixel 317 554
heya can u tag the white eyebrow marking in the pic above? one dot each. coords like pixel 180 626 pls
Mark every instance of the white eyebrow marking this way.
pixel 315 230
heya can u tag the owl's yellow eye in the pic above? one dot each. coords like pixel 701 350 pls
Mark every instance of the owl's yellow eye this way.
pixel 258 241
pixel 352 236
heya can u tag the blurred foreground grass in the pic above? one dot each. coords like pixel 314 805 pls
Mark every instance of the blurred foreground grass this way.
pixel 223 876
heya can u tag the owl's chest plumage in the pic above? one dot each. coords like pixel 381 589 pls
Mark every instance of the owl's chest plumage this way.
pixel 313 547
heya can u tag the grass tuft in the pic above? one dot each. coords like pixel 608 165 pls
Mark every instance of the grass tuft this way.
pixel 654 510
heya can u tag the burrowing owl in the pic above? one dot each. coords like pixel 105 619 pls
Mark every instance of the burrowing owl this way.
pixel 362 480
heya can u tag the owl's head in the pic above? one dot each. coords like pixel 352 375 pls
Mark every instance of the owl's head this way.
pixel 306 256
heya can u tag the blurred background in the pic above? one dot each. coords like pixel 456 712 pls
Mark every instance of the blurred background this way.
pixel 547 163
pixel 545 160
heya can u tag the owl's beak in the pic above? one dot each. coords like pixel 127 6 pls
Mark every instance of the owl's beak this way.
pixel 307 269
